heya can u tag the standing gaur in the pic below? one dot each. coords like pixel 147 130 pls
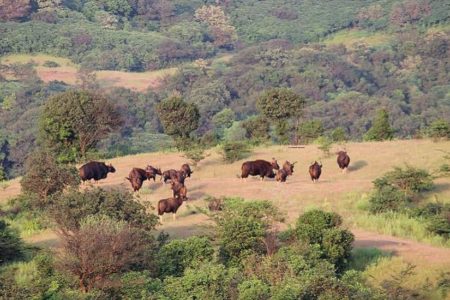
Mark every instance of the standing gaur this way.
pixel 153 172
pixel 137 177
pixel 283 173
pixel 173 175
pixel 259 167
pixel 169 205
pixel 179 190
pixel 343 160
pixel 315 170
pixel 187 170
pixel 95 170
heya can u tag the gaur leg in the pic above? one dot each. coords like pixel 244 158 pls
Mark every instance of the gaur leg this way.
pixel 160 218
pixel 174 216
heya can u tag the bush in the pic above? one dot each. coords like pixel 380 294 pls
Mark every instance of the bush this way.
pixel 381 129
pixel 177 255
pixel 310 130
pixel 257 129
pixel 234 151
pixel 45 177
pixel 322 229
pixel 338 135
pixel 439 129
pixel 410 180
pixel 11 246
pixel 324 144
pixel 387 198
pixel 100 248
pixel 195 155
pixel 69 209
pixel 253 289
pixel 50 64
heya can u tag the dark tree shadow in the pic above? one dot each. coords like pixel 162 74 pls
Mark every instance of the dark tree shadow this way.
pixel 357 165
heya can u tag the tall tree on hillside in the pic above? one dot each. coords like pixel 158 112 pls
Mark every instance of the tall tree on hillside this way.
pixel 219 25
pixel 73 122
pixel 280 106
pixel 381 129
pixel 178 118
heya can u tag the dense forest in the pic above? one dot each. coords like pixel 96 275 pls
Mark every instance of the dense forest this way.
pixel 228 53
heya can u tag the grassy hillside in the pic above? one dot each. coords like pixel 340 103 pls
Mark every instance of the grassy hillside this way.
pixel 67 72
pixel 335 191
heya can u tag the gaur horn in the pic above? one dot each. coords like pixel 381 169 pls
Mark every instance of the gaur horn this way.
pixel 294 163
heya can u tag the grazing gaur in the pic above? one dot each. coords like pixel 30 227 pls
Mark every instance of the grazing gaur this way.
pixel 95 170
pixel 259 167
pixel 153 172
pixel 173 175
pixel 187 170
pixel 179 190
pixel 315 170
pixel 169 205
pixel 343 160
pixel 137 177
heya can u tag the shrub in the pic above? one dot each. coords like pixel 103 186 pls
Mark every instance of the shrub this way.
pixel 410 180
pixel 253 289
pixel 387 198
pixel 324 144
pixel 45 177
pixel 50 64
pixel 310 130
pixel 439 129
pixel 11 246
pixel 234 151
pixel 322 228
pixel 381 129
pixel 177 255
pixel 68 210
pixel 207 281
pixel 195 155
pixel 257 129
pixel 99 249
pixel 246 227
pixel 338 135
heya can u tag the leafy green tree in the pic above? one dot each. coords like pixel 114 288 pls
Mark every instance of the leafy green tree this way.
pixel 73 122
pixel 381 129
pixel 253 289
pixel 11 246
pixel 257 129
pixel 280 105
pixel 310 130
pixel 233 151
pixel 322 228
pixel 245 228
pixel 178 118
pixel 223 120
pixel 235 133
pixel 324 144
pixel 45 177
pixel 338 135
pixel 178 255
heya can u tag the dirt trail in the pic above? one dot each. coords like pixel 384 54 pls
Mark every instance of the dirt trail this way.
pixel 213 178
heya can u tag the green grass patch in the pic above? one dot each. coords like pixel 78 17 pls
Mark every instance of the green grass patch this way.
pixel 362 258
pixel 27 224
pixel 26 273
pixel 350 37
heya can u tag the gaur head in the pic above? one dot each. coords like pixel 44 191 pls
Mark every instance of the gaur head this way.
pixel 288 167
pixel 111 169
pixel 274 164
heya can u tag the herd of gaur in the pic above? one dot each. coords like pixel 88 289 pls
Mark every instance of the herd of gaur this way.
pixel 99 170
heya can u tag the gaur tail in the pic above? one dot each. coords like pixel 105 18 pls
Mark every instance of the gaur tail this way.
pixel 127 178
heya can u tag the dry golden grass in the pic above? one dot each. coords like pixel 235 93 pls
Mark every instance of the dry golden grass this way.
pixel 67 72
pixel 213 177
pixel 352 37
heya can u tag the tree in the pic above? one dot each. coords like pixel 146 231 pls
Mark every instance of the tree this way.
pixel 439 129
pixel 73 122
pixel 11 246
pixel 310 130
pixel 381 129
pixel 45 176
pixel 223 32
pixel 14 10
pixel 178 118
pixel 280 105
pixel 99 249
